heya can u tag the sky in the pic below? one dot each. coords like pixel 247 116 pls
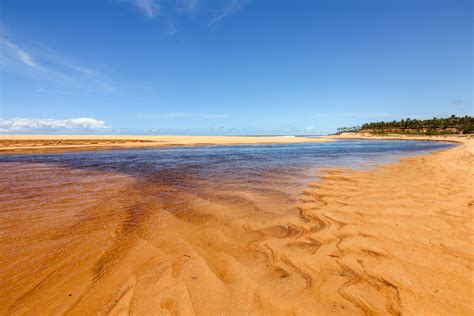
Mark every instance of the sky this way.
pixel 236 67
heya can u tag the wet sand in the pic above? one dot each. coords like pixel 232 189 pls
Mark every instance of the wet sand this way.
pixel 14 144
pixel 395 240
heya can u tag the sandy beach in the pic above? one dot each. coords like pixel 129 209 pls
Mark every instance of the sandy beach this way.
pixel 397 239
pixel 59 143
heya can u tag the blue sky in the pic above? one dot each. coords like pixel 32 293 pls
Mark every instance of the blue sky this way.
pixel 235 67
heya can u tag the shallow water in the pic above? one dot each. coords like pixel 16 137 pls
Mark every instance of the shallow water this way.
pixel 243 162
pixel 68 220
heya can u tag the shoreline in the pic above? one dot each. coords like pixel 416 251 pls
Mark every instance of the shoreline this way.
pixel 37 144
pixel 44 144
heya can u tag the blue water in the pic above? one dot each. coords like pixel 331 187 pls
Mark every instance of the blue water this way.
pixel 243 162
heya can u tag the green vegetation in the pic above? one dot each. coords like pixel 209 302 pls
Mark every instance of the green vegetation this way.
pixel 353 129
pixel 465 124
pixel 435 126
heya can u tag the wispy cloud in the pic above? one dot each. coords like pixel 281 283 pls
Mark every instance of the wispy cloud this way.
pixel 230 8
pixel 81 69
pixel 28 125
pixel 170 11
pixel 25 58
pixel 148 7
pixel 50 66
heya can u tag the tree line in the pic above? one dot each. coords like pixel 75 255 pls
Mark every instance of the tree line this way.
pixel 461 124
pixel 348 129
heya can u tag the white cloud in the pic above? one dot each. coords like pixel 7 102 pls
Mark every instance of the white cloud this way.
pixel 27 125
pixel 149 7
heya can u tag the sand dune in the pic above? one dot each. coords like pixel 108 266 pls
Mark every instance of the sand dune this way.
pixel 395 240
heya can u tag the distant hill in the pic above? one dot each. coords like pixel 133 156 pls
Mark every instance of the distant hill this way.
pixel 435 126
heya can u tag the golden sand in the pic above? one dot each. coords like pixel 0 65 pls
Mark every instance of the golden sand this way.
pixel 397 240
pixel 54 143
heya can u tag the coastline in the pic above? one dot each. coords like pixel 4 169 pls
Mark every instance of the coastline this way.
pixel 28 144
pixel 43 144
